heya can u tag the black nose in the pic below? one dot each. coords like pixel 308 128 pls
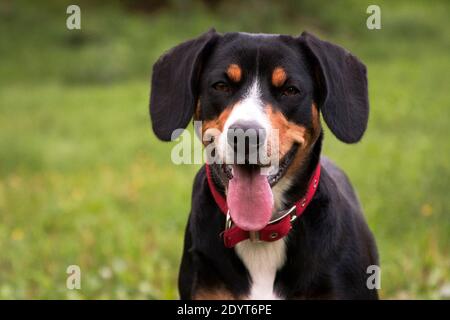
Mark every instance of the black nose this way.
pixel 245 138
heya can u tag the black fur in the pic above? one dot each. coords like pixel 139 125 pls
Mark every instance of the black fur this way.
pixel 343 93
pixel 174 85
pixel 330 246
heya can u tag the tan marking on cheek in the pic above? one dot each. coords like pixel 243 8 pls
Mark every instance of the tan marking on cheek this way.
pixel 311 138
pixel 278 122
pixel 288 132
pixel 217 123
pixel 297 133
pixel 234 72
pixel 278 77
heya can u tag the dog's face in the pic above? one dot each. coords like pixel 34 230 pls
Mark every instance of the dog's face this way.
pixel 259 83
pixel 273 85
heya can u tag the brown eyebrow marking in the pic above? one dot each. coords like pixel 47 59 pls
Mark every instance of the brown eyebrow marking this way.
pixel 234 72
pixel 278 76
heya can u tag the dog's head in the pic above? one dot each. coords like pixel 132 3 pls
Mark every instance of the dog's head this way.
pixel 273 85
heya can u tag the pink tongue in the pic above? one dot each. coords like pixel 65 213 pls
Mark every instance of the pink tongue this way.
pixel 249 199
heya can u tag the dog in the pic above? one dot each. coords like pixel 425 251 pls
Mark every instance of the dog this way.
pixel 298 232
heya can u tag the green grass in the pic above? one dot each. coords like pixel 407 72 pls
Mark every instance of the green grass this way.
pixel 83 180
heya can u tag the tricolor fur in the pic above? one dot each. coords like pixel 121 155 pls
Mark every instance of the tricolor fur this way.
pixel 281 85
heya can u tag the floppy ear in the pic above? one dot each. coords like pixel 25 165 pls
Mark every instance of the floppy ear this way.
pixel 342 88
pixel 174 84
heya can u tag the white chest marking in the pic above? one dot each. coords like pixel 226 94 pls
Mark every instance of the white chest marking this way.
pixel 262 260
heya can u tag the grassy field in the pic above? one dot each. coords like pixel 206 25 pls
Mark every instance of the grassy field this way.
pixel 83 180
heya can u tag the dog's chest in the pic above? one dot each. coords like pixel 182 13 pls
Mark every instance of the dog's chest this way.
pixel 262 260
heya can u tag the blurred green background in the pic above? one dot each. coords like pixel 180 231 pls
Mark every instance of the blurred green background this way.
pixel 84 181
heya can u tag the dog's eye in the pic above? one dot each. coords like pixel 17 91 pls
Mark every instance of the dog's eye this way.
pixel 290 91
pixel 221 86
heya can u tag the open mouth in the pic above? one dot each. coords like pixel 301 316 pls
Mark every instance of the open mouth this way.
pixel 249 197
pixel 227 169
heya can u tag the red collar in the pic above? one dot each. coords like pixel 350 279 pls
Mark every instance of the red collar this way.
pixel 278 227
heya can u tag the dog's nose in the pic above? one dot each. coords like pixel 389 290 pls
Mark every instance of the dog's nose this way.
pixel 246 137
